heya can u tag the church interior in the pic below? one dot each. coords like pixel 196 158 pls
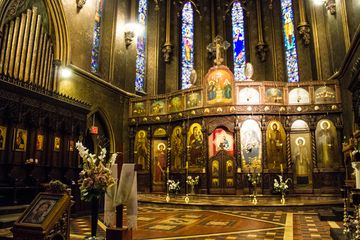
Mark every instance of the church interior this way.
pixel 179 119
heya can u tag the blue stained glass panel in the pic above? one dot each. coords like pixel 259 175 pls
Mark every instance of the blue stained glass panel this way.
pixel 290 41
pixel 237 17
pixel 141 43
pixel 95 52
pixel 187 45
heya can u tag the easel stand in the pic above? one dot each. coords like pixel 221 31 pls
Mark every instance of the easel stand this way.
pixel 119 233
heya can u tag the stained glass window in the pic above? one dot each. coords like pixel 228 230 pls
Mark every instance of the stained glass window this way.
pixel 187 45
pixel 141 43
pixel 95 53
pixel 290 41
pixel 237 16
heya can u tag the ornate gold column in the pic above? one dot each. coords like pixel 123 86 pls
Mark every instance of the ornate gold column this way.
pixel 167 47
pixel 274 61
pixel 316 42
pixel 303 27
pixel 261 47
pixel 155 89
pixel 345 24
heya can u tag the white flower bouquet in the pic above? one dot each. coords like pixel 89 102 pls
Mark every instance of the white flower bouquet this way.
pixel 253 178
pixel 173 187
pixel 96 176
pixel 281 186
pixel 192 181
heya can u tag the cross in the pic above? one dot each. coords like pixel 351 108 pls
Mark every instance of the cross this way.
pixel 217 46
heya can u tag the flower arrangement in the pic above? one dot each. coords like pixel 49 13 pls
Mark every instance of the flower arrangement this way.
pixel 253 178
pixel 173 187
pixel 192 181
pixel 281 186
pixel 96 176
pixel 56 186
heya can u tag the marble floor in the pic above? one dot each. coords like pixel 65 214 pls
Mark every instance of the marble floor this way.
pixel 178 223
pixel 223 217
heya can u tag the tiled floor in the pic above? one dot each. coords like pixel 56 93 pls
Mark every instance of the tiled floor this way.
pixel 216 217
pixel 177 223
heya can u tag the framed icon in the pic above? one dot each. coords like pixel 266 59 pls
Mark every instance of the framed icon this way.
pixel 2 137
pixel 57 143
pixel 43 209
pixel 20 139
pixel 71 145
pixel 39 142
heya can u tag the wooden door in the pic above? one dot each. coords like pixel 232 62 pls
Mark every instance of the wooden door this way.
pixel 222 173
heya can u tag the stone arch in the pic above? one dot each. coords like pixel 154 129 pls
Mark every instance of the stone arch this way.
pixel 104 118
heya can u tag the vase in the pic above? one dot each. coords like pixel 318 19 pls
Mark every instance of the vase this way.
pixel 192 192
pixel 94 216
pixel 282 201
pixel 254 200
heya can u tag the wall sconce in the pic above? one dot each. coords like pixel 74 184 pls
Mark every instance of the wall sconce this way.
pixel 329 4
pixel 131 31
pixel 65 72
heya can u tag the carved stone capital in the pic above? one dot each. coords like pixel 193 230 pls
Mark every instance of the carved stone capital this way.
pixel 331 6
pixel 80 3
pixel 304 32
pixel 129 36
pixel 167 50
pixel 261 51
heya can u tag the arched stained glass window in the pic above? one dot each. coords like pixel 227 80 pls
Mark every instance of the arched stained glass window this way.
pixel 95 52
pixel 187 44
pixel 289 41
pixel 141 43
pixel 237 17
